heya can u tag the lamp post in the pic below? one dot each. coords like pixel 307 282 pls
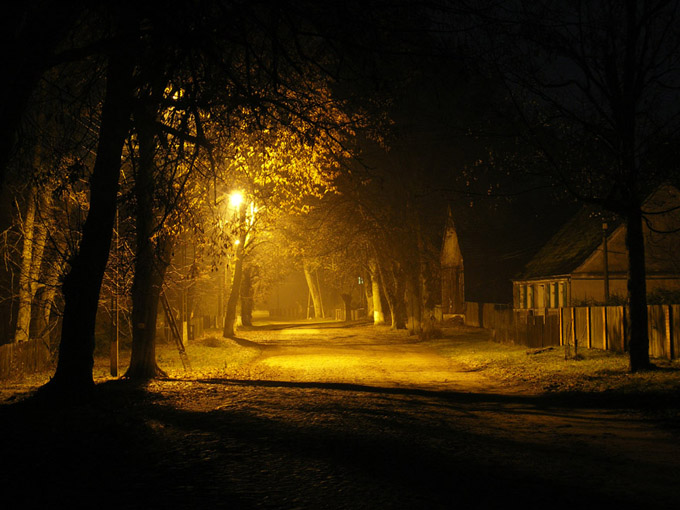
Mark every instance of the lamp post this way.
pixel 237 202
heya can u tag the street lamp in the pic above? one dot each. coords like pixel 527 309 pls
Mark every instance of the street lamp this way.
pixel 236 199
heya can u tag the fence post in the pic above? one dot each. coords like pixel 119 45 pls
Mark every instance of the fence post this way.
pixel 669 338
pixel 561 327
pixel 572 314
pixel 589 334
pixel 605 339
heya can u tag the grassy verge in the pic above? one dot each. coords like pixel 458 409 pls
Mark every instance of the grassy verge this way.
pixel 594 371
pixel 210 356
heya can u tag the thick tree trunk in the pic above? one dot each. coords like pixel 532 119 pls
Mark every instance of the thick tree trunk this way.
pixel 385 290
pixel 347 301
pixel 151 261
pixel 315 291
pixel 230 319
pixel 368 290
pixel 393 288
pixel 35 235
pixel 637 292
pixel 415 313
pixel 83 282
pixel 378 314
pixel 398 309
pixel 427 307
pixel 146 288
pixel 425 282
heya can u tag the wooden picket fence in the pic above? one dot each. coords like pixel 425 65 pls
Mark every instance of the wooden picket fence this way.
pixel 591 327
pixel 24 358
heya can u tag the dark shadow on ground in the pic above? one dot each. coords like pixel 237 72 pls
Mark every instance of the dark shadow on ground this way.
pixel 576 400
pixel 138 450
pixel 279 444
pixel 244 342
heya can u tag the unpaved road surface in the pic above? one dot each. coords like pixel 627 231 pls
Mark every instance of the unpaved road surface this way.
pixel 330 417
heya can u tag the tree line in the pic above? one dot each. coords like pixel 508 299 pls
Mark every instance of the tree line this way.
pixel 349 129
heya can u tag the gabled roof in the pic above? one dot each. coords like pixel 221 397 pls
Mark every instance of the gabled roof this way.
pixel 578 239
pixel 571 245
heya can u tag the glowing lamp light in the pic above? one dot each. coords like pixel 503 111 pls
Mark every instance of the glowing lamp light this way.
pixel 236 199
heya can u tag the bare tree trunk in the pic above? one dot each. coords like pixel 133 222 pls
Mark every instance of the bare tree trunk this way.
pixel 637 292
pixel 347 301
pixel 230 319
pixel 426 287
pixel 393 287
pixel 21 333
pixel 385 289
pixel 247 297
pixel 397 309
pixel 378 314
pixel 314 290
pixel 35 235
pixel 147 285
pixel 414 305
pixel 151 261
pixel 44 299
pixel 368 290
pixel 83 282
pixel 427 307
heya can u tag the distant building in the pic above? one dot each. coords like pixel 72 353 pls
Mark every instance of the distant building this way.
pixel 572 268
pixel 452 271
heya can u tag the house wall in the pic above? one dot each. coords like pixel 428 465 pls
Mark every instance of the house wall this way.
pixel 591 290
pixel 617 257
pixel 579 291
pixel 548 293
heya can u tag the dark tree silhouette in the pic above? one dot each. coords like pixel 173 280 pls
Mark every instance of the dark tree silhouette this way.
pixel 82 284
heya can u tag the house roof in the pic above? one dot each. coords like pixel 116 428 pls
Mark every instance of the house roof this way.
pixel 571 245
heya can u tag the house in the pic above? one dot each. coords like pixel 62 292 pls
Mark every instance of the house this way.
pixel 586 260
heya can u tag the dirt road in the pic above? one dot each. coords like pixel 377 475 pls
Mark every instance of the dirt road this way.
pixel 331 417
pixel 328 352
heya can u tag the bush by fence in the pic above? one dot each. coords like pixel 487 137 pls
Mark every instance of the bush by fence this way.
pixel 598 327
pixel 23 358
